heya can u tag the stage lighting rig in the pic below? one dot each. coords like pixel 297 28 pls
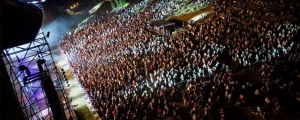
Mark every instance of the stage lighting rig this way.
pixel 33 85
pixel 65 78
pixel 34 77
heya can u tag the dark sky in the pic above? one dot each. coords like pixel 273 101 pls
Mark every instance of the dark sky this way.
pixel 58 22
pixel 53 8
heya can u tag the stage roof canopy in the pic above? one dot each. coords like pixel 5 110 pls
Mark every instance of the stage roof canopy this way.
pixel 20 23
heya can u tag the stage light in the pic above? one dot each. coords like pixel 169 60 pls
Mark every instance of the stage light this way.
pixel 48 34
pixel 24 68
pixel 21 67
pixel 67 85
pixel 39 63
pixel 34 2
pixel 64 75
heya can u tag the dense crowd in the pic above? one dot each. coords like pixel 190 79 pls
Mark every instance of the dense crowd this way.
pixel 131 73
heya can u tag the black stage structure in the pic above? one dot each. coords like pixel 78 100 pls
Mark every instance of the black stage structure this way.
pixel 31 86
pixel 162 24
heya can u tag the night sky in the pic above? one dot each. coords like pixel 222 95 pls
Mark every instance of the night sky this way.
pixel 54 9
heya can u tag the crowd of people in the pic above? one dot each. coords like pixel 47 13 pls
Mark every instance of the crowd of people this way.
pixel 131 73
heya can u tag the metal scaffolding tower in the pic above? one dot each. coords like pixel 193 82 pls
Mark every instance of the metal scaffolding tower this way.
pixel 29 66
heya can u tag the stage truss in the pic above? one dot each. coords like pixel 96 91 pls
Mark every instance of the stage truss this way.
pixel 30 93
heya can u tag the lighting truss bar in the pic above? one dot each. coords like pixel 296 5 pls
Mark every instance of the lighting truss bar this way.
pixel 35 77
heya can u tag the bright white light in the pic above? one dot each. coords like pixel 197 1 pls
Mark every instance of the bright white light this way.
pixel 67 85
pixel 95 8
pixel 200 16
pixel 34 2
